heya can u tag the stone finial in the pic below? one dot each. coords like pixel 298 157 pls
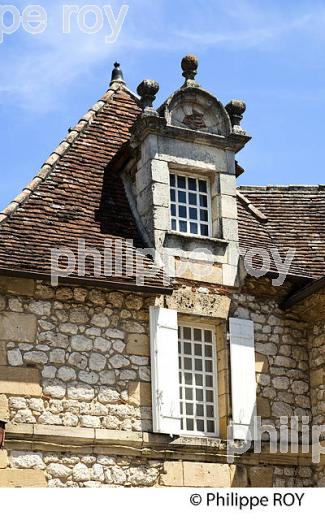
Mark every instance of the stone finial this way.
pixel 189 66
pixel 147 91
pixel 235 109
pixel 117 74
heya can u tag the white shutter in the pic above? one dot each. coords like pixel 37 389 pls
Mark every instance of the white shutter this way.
pixel 164 371
pixel 243 382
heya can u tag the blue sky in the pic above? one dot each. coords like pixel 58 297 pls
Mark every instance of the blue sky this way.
pixel 269 53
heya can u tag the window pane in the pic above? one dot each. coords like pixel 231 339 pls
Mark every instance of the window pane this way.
pixel 199 394
pixel 199 379
pixel 192 199
pixel 209 396
pixel 208 366
pixel 210 426
pixel 173 210
pixel 198 365
pixel 188 363
pixel 182 196
pixel 187 349
pixel 198 350
pixel 200 410
pixel 208 336
pixel 188 378
pixel 203 201
pixel 172 195
pixel 189 409
pixel 200 425
pixel 210 411
pixel 203 186
pixel 192 184
pixel 209 381
pixel 172 180
pixel 183 226
pixel 181 181
pixel 188 394
pixel 189 424
pixel 204 215
pixel 193 228
pixel 197 334
pixel 208 351
pixel 204 230
pixel 174 226
pixel 187 333
pixel 193 213
pixel 182 212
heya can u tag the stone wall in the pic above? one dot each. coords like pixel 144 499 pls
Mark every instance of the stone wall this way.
pixel 76 357
pixel 282 358
pixel 54 469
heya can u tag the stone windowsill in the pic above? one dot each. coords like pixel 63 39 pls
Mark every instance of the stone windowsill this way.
pixel 185 242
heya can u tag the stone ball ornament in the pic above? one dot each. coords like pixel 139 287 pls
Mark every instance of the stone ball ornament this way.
pixel 236 109
pixel 189 66
pixel 147 91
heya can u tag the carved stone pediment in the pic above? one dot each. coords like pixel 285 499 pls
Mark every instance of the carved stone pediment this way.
pixel 196 109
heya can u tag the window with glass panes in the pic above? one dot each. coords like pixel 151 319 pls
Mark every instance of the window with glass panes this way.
pixel 189 205
pixel 197 379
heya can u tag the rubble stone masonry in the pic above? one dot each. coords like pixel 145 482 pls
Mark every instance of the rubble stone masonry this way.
pixel 78 358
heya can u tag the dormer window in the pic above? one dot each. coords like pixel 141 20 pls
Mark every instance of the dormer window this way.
pixel 190 207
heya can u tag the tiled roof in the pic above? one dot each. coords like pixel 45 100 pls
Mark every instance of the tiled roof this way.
pixel 77 195
pixel 62 203
pixel 295 218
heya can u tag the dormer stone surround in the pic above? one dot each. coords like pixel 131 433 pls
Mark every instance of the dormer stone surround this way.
pixel 191 134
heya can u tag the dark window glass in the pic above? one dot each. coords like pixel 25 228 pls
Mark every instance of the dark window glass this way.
pixel 182 212
pixel 172 180
pixel 182 197
pixel 181 183
pixel 192 184
pixel 193 228
pixel 193 213
pixel 203 186
pixel 183 226
pixel 192 199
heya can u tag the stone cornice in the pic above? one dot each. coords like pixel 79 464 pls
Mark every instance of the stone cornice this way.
pixel 37 437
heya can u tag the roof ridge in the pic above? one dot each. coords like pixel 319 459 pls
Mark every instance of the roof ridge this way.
pixel 282 187
pixel 253 209
pixel 49 165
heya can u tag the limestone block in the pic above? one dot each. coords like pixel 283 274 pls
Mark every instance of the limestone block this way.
pixel 261 363
pixel 4 407
pixel 19 286
pixel 227 184
pixel 263 407
pixel 3 353
pixel 198 271
pixel 317 377
pixel 200 474
pixel 15 326
pixel 229 275
pixel 140 393
pixel 3 459
pixel 260 476
pixel 138 344
pixel 20 381
pixel 172 475
pixel 238 475
pixel 228 207
pixel 201 304
pixel 22 478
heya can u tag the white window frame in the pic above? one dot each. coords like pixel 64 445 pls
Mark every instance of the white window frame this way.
pixel 209 206
pixel 203 326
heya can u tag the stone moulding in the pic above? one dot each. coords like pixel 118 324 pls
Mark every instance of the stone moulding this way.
pixel 36 437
